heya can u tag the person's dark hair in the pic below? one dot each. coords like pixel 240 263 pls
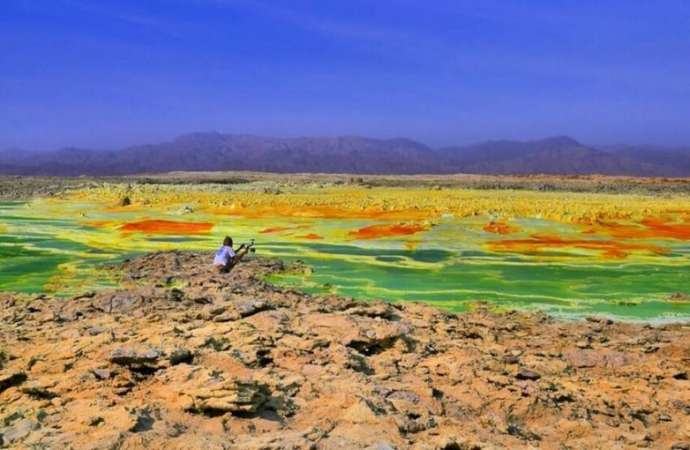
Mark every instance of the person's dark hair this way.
pixel 227 241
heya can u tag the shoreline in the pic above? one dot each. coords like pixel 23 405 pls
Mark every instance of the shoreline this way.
pixel 479 304
pixel 484 305
pixel 182 357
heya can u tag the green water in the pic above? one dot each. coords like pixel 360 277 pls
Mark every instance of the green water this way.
pixel 449 267
pixel 632 291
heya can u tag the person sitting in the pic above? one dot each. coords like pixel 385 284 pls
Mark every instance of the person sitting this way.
pixel 226 258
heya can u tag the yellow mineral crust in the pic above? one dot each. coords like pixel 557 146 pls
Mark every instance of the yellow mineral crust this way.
pixel 403 204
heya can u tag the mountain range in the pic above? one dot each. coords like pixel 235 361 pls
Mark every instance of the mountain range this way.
pixel 351 154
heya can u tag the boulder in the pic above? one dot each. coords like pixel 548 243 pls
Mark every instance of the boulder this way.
pixel 9 378
pixel 526 374
pixel 181 355
pixel 131 357
pixel 234 396
pixel 19 431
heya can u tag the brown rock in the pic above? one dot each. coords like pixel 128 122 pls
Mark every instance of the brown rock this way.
pixel 229 396
pixel 102 374
pixel 596 358
pixel 132 357
pixel 9 378
pixel 526 374
pixel 18 431
pixel 38 391
pixel 181 355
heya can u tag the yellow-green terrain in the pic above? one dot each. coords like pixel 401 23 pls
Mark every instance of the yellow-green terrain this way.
pixel 568 253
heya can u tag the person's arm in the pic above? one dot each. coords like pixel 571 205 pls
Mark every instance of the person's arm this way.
pixel 239 254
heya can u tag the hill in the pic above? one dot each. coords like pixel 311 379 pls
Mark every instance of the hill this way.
pixel 351 154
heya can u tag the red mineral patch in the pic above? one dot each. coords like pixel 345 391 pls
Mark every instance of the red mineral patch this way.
pixel 499 228
pixel 680 231
pixel 385 230
pixel 281 229
pixel 649 228
pixel 310 236
pixel 166 227
pixel 539 243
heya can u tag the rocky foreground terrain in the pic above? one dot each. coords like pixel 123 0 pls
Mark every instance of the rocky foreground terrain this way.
pixel 184 357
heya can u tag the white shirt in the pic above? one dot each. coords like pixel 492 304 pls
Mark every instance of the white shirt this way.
pixel 223 256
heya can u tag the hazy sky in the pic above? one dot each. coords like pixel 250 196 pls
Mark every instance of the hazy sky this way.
pixel 106 73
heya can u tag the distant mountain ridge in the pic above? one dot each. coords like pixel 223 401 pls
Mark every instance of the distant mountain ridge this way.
pixel 351 154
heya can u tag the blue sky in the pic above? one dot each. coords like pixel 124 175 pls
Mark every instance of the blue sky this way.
pixel 112 73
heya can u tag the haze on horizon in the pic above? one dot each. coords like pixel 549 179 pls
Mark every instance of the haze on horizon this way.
pixel 112 73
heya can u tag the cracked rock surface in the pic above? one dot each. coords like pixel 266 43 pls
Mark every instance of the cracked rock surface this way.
pixel 183 357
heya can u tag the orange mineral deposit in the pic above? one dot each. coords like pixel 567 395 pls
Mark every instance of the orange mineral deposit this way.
pixel 649 228
pixel 166 227
pixel 271 230
pixel 499 228
pixel 386 230
pixel 538 243
pixel 312 236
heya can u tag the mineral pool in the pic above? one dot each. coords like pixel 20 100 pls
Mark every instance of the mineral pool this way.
pixel 571 255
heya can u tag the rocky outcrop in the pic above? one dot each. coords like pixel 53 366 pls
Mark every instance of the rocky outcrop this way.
pixel 235 396
pixel 183 357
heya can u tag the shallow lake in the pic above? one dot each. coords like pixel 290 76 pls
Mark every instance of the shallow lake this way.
pixel 455 262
